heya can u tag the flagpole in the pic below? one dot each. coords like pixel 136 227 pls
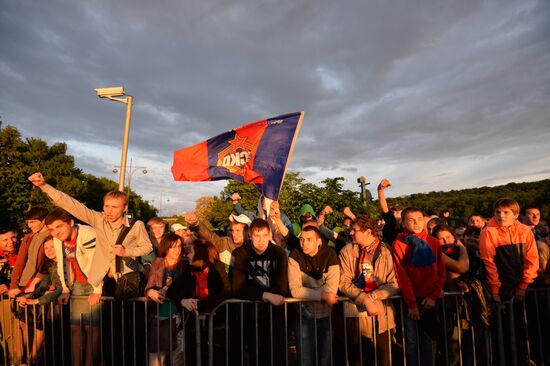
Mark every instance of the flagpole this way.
pixel 298 126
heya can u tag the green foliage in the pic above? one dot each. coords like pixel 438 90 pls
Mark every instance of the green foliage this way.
pixel 218 216
pixel 293 195
pixel 22 157
pixel 463 203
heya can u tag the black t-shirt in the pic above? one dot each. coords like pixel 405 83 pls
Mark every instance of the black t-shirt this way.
pixel 391 228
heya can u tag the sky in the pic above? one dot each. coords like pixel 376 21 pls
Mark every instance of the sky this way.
pixel 433 95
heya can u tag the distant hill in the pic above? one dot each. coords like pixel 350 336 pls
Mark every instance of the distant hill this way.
pixel 462 203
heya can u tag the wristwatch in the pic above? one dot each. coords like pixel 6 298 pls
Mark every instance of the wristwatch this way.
pixel 373 296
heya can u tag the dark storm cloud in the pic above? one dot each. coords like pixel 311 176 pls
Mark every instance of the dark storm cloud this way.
pixel 386 86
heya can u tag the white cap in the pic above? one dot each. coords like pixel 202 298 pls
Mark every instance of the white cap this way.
pixel 177 227
pixel 242 218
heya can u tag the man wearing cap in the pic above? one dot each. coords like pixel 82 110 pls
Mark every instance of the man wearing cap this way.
pixel 391 216
pixel 262 214
pixel 183 232
pixel 224 244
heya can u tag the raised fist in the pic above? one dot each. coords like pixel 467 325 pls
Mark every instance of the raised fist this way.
pixel 235 197
pixel 37 179
pixel 384 183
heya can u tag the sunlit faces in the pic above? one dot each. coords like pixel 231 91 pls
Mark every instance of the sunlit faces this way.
pixel 237 232
pixel 310 242
pixel 35 225
pixel 362 238
pixel 49 249
pixel 174 252
pixel 260 239
pixel 476 221
pixel 505 216
pixel 414 222
pixel 113 208
pixel 445 237
pixel 533 216
pixel 61 230
pixel 7 241
pixel 157 230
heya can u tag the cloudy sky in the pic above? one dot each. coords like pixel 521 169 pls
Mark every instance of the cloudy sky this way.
pixel 434 95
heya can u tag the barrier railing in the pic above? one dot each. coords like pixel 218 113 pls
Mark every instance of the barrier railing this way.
pixel 238 332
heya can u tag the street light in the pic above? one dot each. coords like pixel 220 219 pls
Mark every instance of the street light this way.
pixel 131 171
pixel 112 94
pixel 160 203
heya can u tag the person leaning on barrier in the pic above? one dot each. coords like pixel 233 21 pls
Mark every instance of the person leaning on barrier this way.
pixel 259 272
pixel 368 278
pixel 203 283
pixel 161 329
pixel 30 255
pixel 509 252
pixel 420 273
pixel 200 287
pixel 108 224
pixel 75 246
pixel 8 258
pixel 314 274
pixel 49 289
pixel 457 264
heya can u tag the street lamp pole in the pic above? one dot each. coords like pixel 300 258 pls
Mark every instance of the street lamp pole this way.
pixel 112 94
pixel 129 102
pixel 160 204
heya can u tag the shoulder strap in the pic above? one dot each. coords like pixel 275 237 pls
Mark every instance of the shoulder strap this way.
pixel 124 232
pixel 121 236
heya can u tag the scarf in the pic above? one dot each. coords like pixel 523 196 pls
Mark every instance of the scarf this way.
pixel 367 257
pixel 201 284
pixel 422 255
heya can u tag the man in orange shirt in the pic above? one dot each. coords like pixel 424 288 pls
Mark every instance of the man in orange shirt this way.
pixel 509 252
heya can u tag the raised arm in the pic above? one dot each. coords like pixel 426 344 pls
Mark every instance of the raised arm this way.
pixel 462 264
pixel 66 202
pixel 239 209
pixel 275 216
pixel 384 183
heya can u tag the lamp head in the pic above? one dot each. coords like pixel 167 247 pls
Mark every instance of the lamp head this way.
pixel 116 91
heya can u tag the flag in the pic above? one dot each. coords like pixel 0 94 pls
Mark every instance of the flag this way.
pixel 256 153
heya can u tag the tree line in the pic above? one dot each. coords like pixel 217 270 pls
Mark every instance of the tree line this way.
pixel 296 192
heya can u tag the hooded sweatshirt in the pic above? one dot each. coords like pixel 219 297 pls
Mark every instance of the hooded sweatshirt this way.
pixel 510 256
pixel 310 276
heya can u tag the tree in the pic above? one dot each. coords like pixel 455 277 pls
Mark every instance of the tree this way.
pixel 294 193
pixel 22 157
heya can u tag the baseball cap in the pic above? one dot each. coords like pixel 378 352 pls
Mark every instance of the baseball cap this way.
pixel 177 227
pixel 242 218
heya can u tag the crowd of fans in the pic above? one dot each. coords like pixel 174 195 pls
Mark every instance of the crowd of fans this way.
pixel 267 259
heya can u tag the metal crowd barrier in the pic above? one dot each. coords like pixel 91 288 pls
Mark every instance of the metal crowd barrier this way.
pixel 239 332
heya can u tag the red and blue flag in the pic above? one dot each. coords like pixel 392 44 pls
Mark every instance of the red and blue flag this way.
pixel 256 153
